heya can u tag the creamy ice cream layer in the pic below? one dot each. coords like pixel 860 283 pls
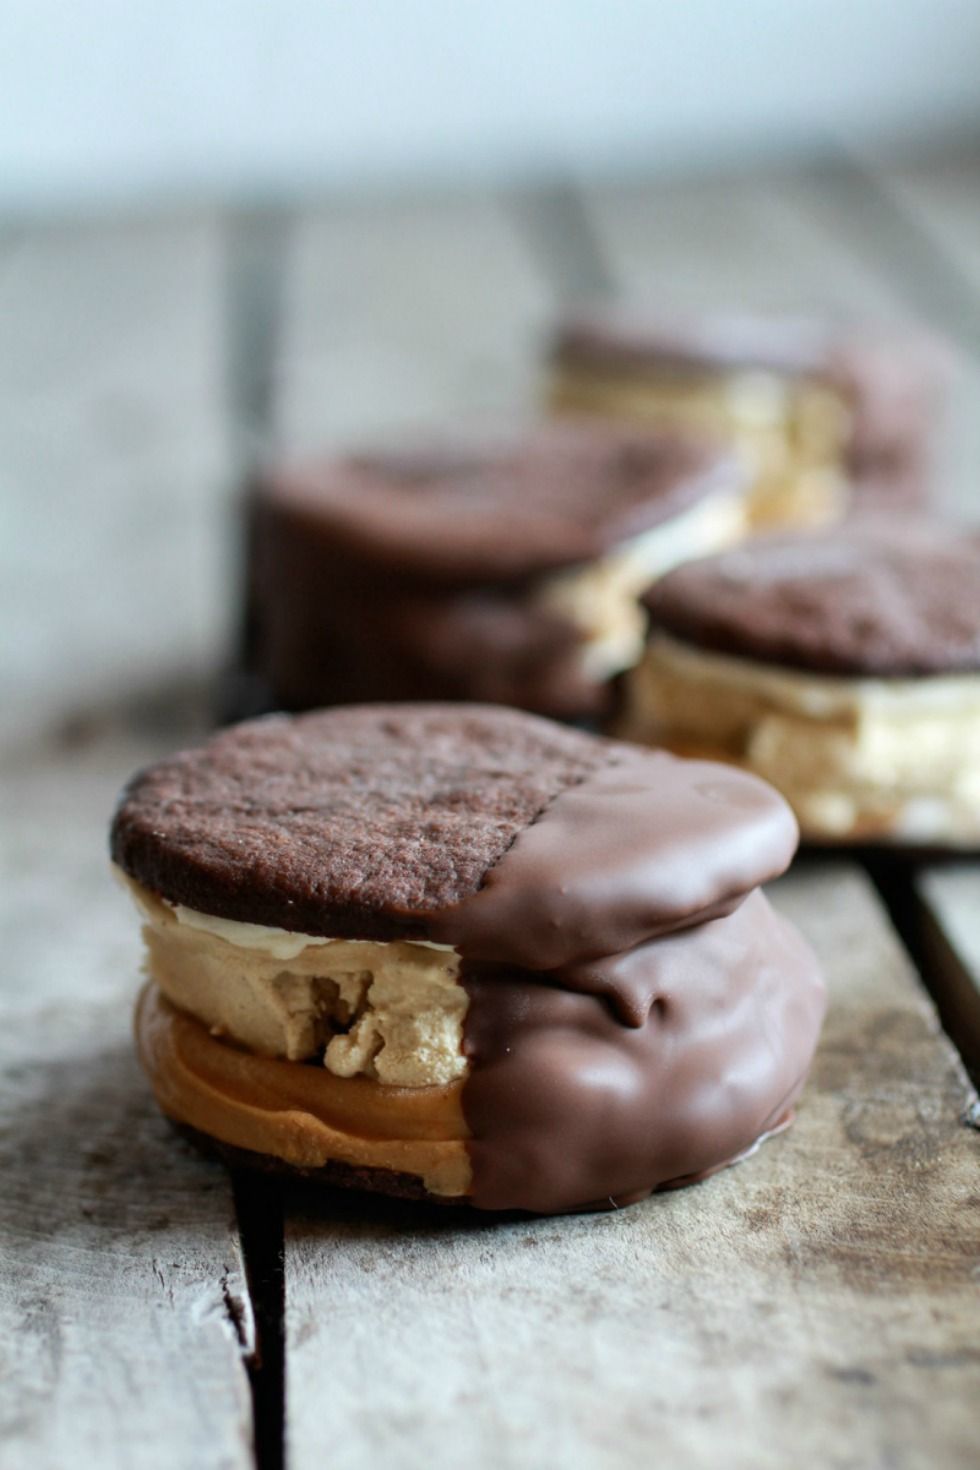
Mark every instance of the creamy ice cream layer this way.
pixel 602 599
pixel 855 757
pixel 391 1011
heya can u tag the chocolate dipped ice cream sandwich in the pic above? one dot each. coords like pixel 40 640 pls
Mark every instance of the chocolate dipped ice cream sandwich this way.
pixel 844 668
pixel 502 571
pixel 825 417
pixel 466 954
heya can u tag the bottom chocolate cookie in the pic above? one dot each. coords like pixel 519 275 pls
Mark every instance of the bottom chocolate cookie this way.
pixel 332 1175
pixel 407 1187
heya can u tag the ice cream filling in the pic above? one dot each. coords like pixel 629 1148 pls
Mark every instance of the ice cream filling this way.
pixel 845 751
pixel 391 1011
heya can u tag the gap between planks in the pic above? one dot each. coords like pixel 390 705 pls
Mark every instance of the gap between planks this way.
pixel 259 1212
pixel 913 896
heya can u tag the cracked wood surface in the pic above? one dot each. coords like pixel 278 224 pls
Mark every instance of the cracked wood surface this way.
pixel 124 1313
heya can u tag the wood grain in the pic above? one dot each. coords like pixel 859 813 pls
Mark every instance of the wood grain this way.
pixel 113 465
pixel 817 1302
pixel 124 1316
pixel 942 194
pixel 780 251
pixel 123 1312
pixel 402 317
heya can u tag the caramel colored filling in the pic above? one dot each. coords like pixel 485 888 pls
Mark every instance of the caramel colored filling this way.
pixel 389 1011
pixel 790 433
pixel 298 1112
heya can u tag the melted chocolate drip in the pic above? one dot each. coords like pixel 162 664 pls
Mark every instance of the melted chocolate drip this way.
pixel 570 1108
pixel 645 845
pixel 635 1019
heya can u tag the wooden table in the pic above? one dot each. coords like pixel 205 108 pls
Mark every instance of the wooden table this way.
pixel 818 1306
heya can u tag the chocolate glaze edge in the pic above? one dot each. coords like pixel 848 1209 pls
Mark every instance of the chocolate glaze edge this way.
pixel 637 1019
pixel 641 845
pixel 569 1107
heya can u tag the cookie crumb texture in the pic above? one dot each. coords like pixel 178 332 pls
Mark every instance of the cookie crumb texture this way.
pixel 875 600
pixel 354 823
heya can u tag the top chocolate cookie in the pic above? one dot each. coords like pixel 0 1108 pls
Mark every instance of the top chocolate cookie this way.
pixel 873 600
pixel 503 509
pixel 388 821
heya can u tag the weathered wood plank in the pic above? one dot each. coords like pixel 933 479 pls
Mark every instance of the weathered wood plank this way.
pixel 125 1322
pixel 398 315
pixel 824 1294
pixel 113 467
pixel 124 1316
pixel 123 1307
pixel 729 243
pixel 943 195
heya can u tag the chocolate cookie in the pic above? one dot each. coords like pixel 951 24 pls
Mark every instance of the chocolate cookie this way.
pixel 822 412
pixel 879 600
pixel 525 967
pixel 358 822
pixel 504 570
pixel 844 668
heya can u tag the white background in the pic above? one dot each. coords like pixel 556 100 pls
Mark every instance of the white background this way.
pixel 106 100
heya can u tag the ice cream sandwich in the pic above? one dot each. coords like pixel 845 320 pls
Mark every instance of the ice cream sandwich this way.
pixel 465 954
pixel 843 668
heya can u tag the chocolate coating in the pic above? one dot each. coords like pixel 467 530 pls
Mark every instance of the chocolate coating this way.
pixel 568 1107
pixel 642 845
pixel 411 575
pixel 876 600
